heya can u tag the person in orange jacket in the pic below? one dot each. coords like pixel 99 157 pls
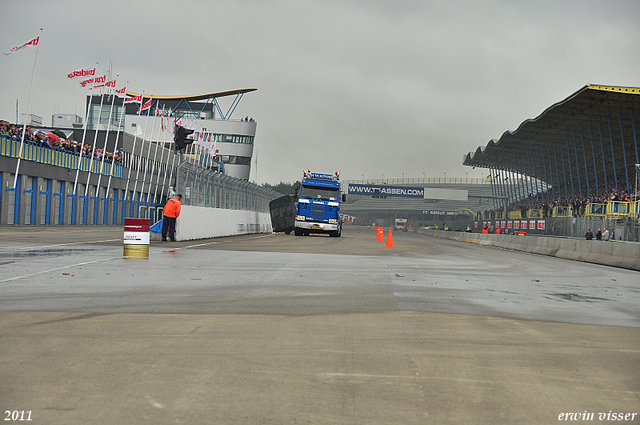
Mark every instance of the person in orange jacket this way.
pixel 169 215
pixel 485 230
pixel 497 230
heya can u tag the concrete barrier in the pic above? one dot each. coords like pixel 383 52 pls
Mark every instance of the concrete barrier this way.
pixel 205 223
pixel 617 254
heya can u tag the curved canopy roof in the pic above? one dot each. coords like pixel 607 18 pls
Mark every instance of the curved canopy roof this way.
pixel 591 131
pixel 194 97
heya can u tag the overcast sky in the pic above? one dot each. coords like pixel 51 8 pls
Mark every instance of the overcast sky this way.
pixel 364 87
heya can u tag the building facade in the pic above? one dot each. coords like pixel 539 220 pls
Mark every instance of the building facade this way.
pixel 215 129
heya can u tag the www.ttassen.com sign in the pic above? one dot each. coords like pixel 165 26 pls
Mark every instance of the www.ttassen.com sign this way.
pixel 370 190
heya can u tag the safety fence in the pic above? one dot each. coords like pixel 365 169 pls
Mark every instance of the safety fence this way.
pixel 202 187
pixel 137 190
pixel 620 229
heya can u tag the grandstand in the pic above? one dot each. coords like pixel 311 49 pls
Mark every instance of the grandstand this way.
pixel 583 152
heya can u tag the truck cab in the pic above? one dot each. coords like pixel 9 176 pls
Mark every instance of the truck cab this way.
pixel 318 206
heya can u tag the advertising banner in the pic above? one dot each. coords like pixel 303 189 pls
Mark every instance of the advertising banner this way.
pixel 136 238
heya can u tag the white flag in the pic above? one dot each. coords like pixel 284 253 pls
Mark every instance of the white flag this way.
pixel 31 43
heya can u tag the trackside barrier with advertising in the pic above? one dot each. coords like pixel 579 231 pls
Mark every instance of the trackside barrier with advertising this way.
pixel 617 254
pixel 136 238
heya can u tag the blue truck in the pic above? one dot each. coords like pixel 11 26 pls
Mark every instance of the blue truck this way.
pixel 318 206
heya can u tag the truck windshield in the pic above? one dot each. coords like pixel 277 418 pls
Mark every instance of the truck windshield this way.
pixel 323 193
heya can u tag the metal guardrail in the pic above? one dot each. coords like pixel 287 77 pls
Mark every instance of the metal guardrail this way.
pixel 57 157
pixel 560 211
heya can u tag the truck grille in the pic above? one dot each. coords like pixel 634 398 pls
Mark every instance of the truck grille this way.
pixel 317 212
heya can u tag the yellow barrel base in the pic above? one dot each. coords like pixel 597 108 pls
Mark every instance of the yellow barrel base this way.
pixel 136 251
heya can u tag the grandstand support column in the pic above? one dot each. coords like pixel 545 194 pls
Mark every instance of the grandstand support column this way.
pixel 543 169
pixel 516 189
pixel 538 172
pixel 595 167
pixel 529 176
pixel 114 206
pixel 586 168
pixel 43 200
pixel 511 190
pixel 532 179
pixel 493 192
pixel 553 186
pixel 61 203
pixel 624 152
pixel 504 183
pixel 573 191
pixel 4 198
pixel 575 150
pixel 564 175
pixel 635 142
pixel 604 164
pixel 613 155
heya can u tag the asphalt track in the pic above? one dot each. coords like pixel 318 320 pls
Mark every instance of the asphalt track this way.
pixel 276 329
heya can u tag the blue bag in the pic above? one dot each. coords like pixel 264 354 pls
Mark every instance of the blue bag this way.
pixel 157 228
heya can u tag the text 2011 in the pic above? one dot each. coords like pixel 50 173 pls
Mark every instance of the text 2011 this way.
pixel 17 415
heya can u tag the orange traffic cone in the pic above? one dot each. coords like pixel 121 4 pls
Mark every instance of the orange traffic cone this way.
pixel 380 234
pixel 389 240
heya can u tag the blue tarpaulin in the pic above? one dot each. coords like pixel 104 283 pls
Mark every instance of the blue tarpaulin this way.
pixel 157 227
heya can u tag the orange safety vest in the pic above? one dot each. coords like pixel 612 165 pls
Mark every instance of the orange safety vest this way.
pixel 172 208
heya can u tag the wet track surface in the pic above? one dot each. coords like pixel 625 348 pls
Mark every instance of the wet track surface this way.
pixel 280 274
pixel 285 329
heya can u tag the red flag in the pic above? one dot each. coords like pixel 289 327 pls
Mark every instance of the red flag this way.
pixel 121 92
pixel 96 80
pixel 134 99
pixel 86 72
pixel 145 106
pixel 31 43
pixel 106 84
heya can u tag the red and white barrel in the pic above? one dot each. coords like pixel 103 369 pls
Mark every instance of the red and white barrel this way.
pixel 136 238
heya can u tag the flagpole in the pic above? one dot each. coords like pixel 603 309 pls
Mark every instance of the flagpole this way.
pixel 146 123
pixel 172 148
pixel 161 157
pixel 104 147
pixel 24 128
pixel 84 135
pixel 173 165
pixel 115 146
pixel 95 139
pixel 149 169
pixel 133 153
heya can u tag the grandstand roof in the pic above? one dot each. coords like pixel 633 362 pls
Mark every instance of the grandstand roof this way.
pixel 194 97
pixel 594 120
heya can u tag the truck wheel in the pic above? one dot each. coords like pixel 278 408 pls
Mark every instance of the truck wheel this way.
pixel 298 232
